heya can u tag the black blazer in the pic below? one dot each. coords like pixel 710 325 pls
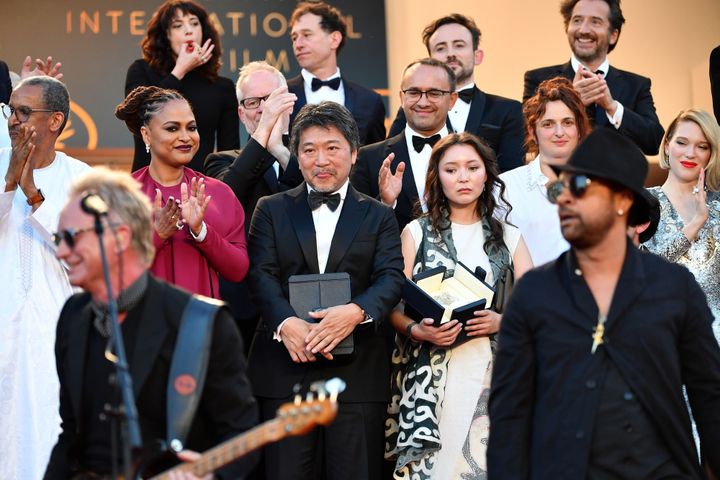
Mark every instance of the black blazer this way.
pixel 715 81
pixel 640 122
pixel 497 120
pixel 366 244
pixel 366 106
pixel 227 407
pixel 546 384
pixel 250 174
pixel 364 175
pixel 5 83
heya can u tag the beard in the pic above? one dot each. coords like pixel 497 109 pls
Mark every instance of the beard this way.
pixel 585 231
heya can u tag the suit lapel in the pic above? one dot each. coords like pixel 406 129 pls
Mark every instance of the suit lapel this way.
pixel 150 335
pixel 398 146
pixel 301 217
pixel 296 85
pixel 567 71
pixel 349 95
pixel 477 108
pixel 616 84
pixel 77 340
pixel 348 224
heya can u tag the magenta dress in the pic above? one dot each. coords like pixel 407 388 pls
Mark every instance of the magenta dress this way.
pixel 195 266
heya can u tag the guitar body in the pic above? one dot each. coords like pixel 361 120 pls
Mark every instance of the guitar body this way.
pixel 153 460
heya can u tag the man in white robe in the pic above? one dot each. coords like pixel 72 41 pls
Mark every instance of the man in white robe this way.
pixel 33 282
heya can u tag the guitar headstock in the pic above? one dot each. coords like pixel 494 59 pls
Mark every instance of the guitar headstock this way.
pixel 318 408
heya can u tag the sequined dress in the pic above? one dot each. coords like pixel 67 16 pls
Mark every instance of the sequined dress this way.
pixel 701 257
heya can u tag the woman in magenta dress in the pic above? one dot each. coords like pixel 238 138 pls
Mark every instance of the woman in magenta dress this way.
pixel 199 224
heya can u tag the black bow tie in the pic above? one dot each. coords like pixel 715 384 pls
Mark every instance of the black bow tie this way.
pixel 316 199
pixel 466 95
pixel 420 142
pixel 317 83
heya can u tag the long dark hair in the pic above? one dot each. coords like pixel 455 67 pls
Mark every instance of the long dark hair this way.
pixel 156 45
pixel 437 203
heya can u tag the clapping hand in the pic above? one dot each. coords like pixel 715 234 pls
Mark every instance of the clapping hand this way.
pixel 167 217
pixel 193 204
pixel 592 88
pixel 41 68
pixel 389 184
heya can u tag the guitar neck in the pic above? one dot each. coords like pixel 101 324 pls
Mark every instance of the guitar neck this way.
pixel 231 450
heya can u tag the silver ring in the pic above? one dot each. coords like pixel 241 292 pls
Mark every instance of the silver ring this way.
pixel 179 225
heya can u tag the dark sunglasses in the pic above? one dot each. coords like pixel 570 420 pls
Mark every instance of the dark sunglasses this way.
pixel 577 184
pixel 68 236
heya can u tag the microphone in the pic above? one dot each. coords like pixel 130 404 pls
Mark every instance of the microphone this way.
pixel 93 204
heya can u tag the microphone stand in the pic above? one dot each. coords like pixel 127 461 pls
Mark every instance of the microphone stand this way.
pixel 127 412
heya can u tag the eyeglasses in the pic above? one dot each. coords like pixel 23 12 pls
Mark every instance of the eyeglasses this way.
pixel 21 113
pixel 433 95
pixel 253 102
pixel 577 184
pixel 68 236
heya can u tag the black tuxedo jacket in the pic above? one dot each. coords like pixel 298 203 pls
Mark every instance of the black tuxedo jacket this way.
pixel 250 174
pixel 546 385
pixel 366 244
pixel 640 121
pixel 227 407
pixel 497 120
pixel 364 176
pixel 5 83
pixel 366 106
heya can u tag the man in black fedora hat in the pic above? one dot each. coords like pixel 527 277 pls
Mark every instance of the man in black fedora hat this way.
pixel 595 347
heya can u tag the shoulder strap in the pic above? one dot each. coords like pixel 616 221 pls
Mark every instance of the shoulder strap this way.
pixel 189 365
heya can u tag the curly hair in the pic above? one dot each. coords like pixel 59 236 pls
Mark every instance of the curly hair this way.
pixel 142 104
pixel 486 205
pixel 156 44
pixel 553 90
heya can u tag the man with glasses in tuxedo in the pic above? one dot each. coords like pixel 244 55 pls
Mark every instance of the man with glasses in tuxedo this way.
pixel 34 283
pixel 596 347
pixel 264 166
pixel 394 170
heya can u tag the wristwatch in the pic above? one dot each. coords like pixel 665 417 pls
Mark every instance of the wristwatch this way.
pixel 37 198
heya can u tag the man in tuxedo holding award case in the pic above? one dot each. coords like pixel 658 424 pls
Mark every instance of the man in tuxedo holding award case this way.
pixel 325 226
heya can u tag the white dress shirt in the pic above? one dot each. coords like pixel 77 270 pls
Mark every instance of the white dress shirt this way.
pixel 533 213
pixel 323 93
pixel 458 114
pixel 419 161
pixel 616 119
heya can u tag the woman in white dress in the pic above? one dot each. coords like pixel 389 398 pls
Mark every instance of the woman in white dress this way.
pixel 438 423
pixel 556 122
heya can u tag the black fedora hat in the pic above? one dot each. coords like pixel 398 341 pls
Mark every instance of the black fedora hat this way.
pixel 607 155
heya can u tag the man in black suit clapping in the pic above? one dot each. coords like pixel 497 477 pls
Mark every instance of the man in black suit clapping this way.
pixel 455 40
pixel 614 98
pixel 318 33
pixel 394 170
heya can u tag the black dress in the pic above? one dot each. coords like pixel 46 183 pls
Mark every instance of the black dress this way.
pixel 214 103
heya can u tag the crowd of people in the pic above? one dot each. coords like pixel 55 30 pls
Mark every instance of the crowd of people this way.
pixel 603 360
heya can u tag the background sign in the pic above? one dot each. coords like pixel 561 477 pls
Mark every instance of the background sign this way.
pixel 96 41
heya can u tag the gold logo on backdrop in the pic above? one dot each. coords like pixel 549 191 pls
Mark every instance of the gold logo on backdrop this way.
pixel 86 122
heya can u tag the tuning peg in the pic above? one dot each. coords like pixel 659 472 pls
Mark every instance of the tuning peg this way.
pixel 322 393
pixel 334 386
pixel 297 399
pixel 311 391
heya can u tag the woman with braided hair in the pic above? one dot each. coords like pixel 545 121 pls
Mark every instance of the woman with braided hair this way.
pixel 198 222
